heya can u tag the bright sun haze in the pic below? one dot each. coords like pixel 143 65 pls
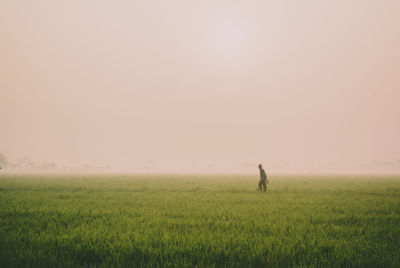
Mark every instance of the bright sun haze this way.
pixel 202 86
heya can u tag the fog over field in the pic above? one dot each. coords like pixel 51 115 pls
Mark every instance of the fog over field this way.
pixel 202 86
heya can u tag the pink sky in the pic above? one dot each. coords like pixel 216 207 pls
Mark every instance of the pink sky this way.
pixel 202 86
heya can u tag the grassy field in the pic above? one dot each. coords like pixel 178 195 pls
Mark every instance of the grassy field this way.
pixel 203 221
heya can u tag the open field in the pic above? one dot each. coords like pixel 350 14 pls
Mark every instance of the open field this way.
pixel 208 221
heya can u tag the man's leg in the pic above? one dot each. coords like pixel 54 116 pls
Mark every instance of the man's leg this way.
pixel 259 185
pixel 264 186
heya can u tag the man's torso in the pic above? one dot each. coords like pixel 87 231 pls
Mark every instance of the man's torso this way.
pixel 263 175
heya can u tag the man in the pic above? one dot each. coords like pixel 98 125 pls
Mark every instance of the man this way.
pixel 263 179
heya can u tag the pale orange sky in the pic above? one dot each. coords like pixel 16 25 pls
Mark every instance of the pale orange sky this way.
pixel 189 86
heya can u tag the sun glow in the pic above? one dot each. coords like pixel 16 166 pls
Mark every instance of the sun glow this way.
pixel 229 37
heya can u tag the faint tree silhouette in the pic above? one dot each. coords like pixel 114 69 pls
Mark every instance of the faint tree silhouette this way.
pixel 3 161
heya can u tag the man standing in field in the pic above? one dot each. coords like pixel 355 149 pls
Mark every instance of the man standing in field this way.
pixel 263 179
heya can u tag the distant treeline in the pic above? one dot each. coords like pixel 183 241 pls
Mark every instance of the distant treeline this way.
pixel 26 164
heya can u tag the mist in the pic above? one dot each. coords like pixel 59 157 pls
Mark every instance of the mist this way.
pixel 185 86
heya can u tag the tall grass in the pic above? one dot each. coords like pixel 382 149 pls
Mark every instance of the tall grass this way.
pixel 203 221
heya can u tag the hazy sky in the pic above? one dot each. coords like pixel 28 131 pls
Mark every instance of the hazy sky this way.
pixel 201 85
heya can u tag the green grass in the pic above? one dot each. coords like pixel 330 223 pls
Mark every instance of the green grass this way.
pixel 203 221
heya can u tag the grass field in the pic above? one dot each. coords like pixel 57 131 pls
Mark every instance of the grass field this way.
pixel 203 221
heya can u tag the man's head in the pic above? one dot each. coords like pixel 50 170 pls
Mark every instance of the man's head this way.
pixel 259 166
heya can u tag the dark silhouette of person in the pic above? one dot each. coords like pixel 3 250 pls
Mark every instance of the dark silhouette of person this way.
pixel 263 179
